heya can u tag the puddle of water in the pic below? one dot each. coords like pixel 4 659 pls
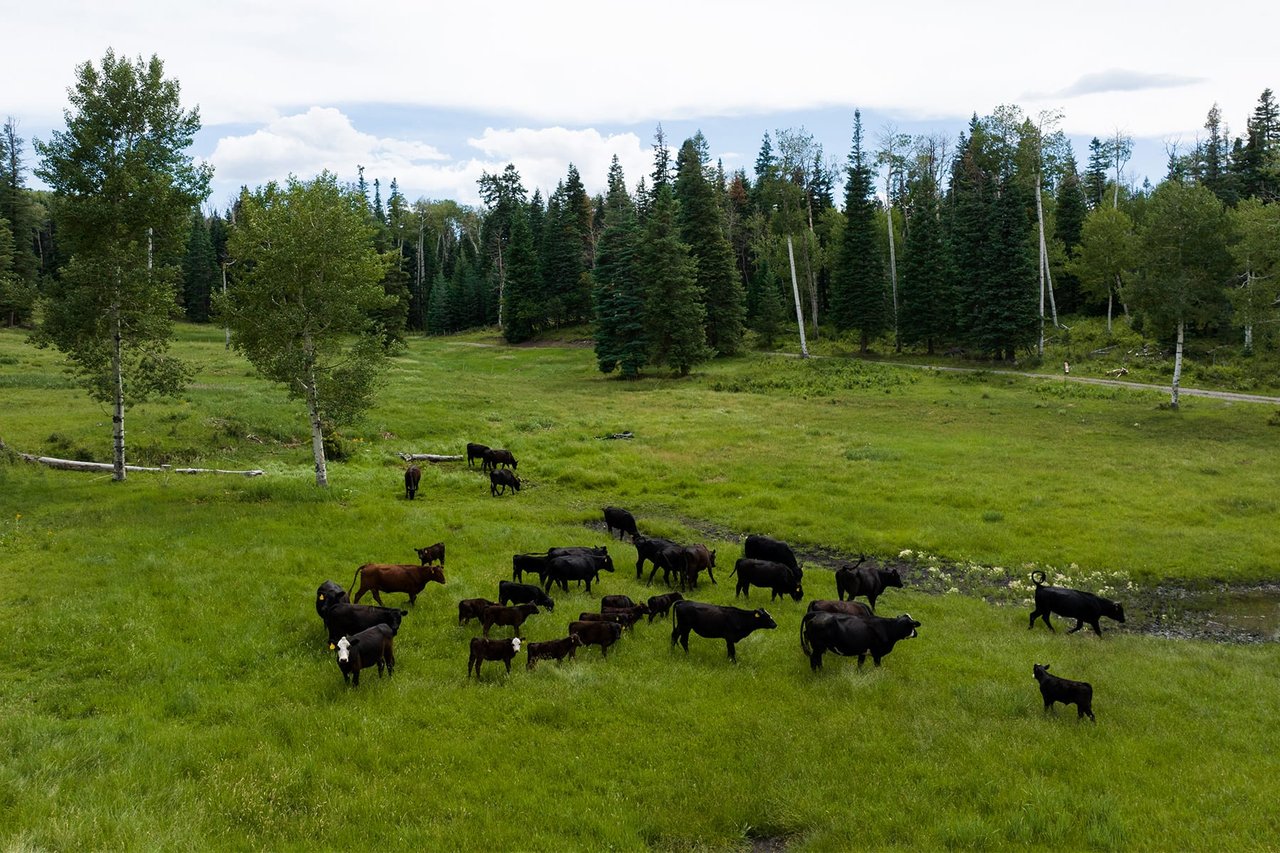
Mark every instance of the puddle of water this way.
pixel 1252 611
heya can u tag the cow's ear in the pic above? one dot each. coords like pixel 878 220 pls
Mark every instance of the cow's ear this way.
pixel 332 647
pixel 322 596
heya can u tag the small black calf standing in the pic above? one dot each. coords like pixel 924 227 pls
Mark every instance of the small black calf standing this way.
pixel 1064 690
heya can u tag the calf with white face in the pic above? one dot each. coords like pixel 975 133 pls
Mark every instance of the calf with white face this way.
pixel 365 649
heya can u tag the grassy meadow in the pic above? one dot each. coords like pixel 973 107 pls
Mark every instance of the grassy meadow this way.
pixel 166 682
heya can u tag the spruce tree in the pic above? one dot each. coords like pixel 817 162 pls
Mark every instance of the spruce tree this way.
pixel 674 316
pixel 521 311
pixel 19 214
pixel 926 303
pixel 859 293
pixel 200 271
pixel 701 221
pixel 439 308
pixel 1095 179
pixel 619 293
pixel 1071 208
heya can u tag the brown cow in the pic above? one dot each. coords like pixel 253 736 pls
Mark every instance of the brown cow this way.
pixel 602 634
pixel 513 615
pixel 472 608
pixel 412 475
pixel 697 558
pixel 394 577
pixel 431 554
pixel 850 607
pixel 483 650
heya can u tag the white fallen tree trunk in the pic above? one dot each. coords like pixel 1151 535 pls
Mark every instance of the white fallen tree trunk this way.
pixel 429 457
pixel 107 467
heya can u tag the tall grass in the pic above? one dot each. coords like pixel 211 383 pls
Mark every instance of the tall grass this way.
pixel 165 682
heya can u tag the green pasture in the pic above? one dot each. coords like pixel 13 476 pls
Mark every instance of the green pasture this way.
pixel 165 684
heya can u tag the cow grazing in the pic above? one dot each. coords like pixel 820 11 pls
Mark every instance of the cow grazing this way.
pixel 851 608
pixel 780 579
pixel 472 608
pixel 395 577
pixel 501 480
pixel 552 649
pixel 515 615
pixel 533 563
pixel 329 593
pixel 763 548
pixel 602 634
pixel 660 604
pixel 616 518
pixel 510 592
pixel 1084 607
pixel 714 621
pixel 474 452
pixel 852 635
pixel 651 548
pixel 431 554
pixel 867 581
pixel 1068 692
pixel 626 617
pixel 412 475
pixel 696 559
pixel 483 650
pixel 497 456
pixel 620 602
pixel 343 618
pixel 580 567
pixel 365 649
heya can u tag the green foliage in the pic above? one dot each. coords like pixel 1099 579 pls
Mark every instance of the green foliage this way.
pixel 675 319
pixel 300 308
pixel 521 311
pixel 200 273
pixel 926 299
pixel 859 297
pixel 619 295
pixel 1185 259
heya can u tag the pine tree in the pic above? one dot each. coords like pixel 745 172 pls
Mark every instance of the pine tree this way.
pixel 18 211
pixel 701 221
pixel 200 272
pixel 674 316
pixel 1095 179
pixel 619 293
pixel 926 303
pixel 439 307
pixel 1259 162
pixel 859 289
pixel 521 309
pixel 1071 210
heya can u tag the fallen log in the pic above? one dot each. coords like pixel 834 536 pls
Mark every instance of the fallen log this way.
pixel 429 457
pixel 107 467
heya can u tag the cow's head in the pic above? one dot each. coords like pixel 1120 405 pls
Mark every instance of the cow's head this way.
pixel 608 563
pixel 797 593
pixel 908 624
pixel 344 650
pixel 763 619
pixel 1038 671
pixel 893 577
pixel 1113 610
pixel 515 644
pixel 575 640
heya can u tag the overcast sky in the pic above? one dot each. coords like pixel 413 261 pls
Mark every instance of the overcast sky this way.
pixel 435 93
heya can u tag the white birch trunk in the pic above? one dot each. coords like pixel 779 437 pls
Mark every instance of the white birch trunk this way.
pixel 313 414
pixel 893 264
pixel 117 413
pixel 1111 294
pixel 795 289
pixel 1177 365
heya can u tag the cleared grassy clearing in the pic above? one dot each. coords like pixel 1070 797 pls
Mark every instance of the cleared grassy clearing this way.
pixel 165 682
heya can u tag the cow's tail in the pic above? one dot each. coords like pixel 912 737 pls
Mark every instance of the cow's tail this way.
pixel 1038 577
pixel 804 640
pixel 359 569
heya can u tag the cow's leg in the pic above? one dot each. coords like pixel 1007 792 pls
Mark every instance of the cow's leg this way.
pixel 861 658
pixel 639 568
pixel 1097 630
pixel 733 656
pixel 377 597
pixel 815 659
pixel 507 661
pixel 1079 625
pixel 391 661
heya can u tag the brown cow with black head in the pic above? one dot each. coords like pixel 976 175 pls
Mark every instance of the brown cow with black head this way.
pixel 394 577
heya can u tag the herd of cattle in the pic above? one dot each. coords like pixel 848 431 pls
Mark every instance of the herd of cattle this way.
pixel 362 635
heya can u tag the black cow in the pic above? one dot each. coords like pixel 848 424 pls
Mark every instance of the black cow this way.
pixel 483 650
pixel 552 649
pixel 533 563
pixel 514 616
pixel 697 558
pixel 329 593
pixel 363 650
pixel 714 621
pixel 852 608
pixel 472 608
pixel 495 457
pixel 412 475
pixel 343 618
pixel 510 592
pixel 431 554
pixel 763 548
pixel 852 635
pixel 1068 692
pixel 619 602
pixel 650 548
pixel 501 480
pixel 616 518
pixel 780 579
pixel 660 604
pixel 576 567
pixel 855 580
pixel 1084 607
pixel 577 550
pixel 474 452
pixel 602 634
